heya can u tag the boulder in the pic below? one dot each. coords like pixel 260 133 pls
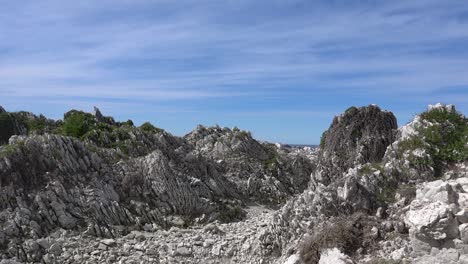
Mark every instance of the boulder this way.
pixel 432 215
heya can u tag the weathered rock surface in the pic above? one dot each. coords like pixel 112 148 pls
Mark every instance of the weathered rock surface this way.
pixel 122 194
pixel 358 136
pixel 259 170
pixel 50 182
pixel 437 217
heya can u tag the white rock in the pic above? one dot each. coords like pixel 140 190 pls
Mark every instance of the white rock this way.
pixel 293 259
pixel 108 242
pixel 463 232
pixel 398 254
pixel 334 256
pixel 183 251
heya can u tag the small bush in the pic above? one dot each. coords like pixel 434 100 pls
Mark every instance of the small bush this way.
pixel 411 144
pixel 77 124
pixel 271 163
pixel 351 110
pixel 322 140
pixel 7 150
pixel 447 137
pixel 341 233
pixel 38 125
pixel 365 170
pixel 370 168
pixel 245 134
pixel 148 127
pixel 387 192
pixel 7 128
pixel 229 213
pixel 128 123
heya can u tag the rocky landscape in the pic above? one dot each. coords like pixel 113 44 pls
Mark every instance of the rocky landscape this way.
pixel 90 189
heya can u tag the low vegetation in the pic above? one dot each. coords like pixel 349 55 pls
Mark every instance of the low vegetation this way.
pixel 230 213
pixel 344 233
pixel 351 110
pixel 370 168
pixel 322 140
pixel 7 128
pixel 77 124
pixel 447 138
pixel 148 127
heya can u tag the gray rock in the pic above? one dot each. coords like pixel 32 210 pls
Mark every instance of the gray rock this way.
pixel 358 136
pixel 56 249
pixel 464 232
pixel 183 251
pixel 151 251
pixel 109 242
pixel 98 115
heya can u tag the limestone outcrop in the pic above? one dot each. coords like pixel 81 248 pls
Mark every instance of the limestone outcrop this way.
pixel 89 189
pixel 358 136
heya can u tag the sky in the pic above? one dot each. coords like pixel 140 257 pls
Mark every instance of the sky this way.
pixel 280 69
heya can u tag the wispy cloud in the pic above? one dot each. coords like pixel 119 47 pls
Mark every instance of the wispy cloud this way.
pixel 247 54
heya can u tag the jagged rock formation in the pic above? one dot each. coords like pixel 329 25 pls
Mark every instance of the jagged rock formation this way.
pixel 374 196
pixel 357 136
pixel 117 178
pixel 337 188
pixel 260 170
pixel 113 192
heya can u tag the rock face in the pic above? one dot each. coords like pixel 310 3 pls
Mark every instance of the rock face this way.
pixel 89 189
pixel 358 136
pixel 259 170
pixel 437 218
pixel 382 186
pixel 94 187
pixel 341 184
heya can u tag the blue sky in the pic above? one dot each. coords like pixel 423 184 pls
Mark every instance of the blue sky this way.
pixel 281 69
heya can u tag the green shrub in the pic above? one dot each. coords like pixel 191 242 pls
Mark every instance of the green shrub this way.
pixel 370 168
pixel 447 137
pixel 7 128
pixel 245 134
pixel 123 147
pixel 148 127
pixel 386 194
pixel 7 150
pixel 322 140
pixel 365 170
pixel 341 233
pixel 411 144
pixel 128 123
pixel 351 110
pixel 36 125
pixel 77 124
pixel 270 163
